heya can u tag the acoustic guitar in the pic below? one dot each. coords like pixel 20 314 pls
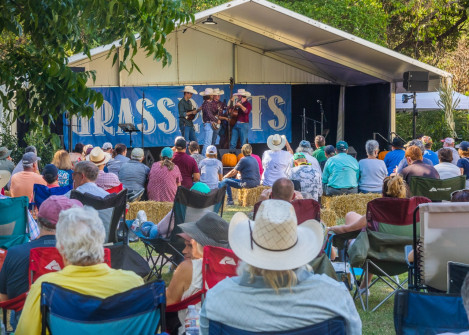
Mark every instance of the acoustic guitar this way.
pixel 192 116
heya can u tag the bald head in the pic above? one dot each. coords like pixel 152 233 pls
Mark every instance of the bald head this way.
pixel 283 189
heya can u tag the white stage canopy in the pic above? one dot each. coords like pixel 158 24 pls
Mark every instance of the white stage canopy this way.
pixel 429 101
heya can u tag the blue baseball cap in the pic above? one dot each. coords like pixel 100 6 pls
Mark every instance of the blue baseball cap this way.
pixel 464 145
pixel 341 146
pixel 305 144
pixel 167 152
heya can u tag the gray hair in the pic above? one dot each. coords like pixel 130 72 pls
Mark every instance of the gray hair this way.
pixel 80 236
pixel 417 143
pixel 89 169
pixel 307 150
pixel 371 146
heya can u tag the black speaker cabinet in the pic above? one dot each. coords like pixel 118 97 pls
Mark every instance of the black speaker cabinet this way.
pixel 416 81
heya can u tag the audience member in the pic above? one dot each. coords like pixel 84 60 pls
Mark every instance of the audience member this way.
pixel 449 143
pixel 164 178
pixel 276 161
pixel 308 175
pixel 107 148
pixel 105 180
pixel 14 276
pixel 77 154
pixel 5 160
pixel 460 196
pixel 19 166
pixel 84 179
pixel 307 151
pixel 22 183
pixel 282 189
pixel 120 153
pixel 274 291
pixel 86 151
pixel 194 152
pixel 186 164
pixel 372 170
pixel 403 163
pixel 259 162
pixel 211 169
pixel 446 169
pixel 63 162
pixel 80 237
pixel 416 167
pixel 320 144
pixel 50 173
pixel 210 230
pixel 395 156
pixel 134 174
pixel 329 151
pixel 463 162
pixel 5 176
pixel 341 172
pixel 248 168
pixel 428 153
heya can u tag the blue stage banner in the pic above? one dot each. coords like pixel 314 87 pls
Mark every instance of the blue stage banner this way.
pixel 271 114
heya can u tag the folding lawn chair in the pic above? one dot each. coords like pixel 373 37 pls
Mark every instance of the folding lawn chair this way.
pixel 111 211
pixel 137 311
pixel 305 209
pixel 457 272
pixel 189 206
pixel 42 192
pixel 13 221
pixel 115 189
pixel 436 189
pixel 334 326
pixel 444 232
pixel 419 313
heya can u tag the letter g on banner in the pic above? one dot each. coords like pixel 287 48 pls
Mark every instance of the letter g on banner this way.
pixel 274 102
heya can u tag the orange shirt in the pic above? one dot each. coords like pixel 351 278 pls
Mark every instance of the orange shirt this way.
pixel 22 184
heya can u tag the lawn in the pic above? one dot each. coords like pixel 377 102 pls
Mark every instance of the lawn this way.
pixel 379 322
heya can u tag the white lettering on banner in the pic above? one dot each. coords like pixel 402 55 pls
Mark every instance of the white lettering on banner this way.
pixel 125 113
pixel 81 126
pixel 151 123
pixel 281 121
pixel 163 105
pixel 256 112
pixel 103 117
pixel 197 116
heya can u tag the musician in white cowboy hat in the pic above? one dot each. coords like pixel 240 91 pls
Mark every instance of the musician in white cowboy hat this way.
pixel 187 113
pixel 104 180
pixel 276 161
pixel 222 115
pixel 241 113
pixel 274 290
pixel 209 117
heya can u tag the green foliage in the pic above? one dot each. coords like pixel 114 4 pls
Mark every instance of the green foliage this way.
pixel 448 105
pixel 9 140
pixel 45 144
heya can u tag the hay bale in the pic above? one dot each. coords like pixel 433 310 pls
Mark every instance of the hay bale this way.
pixel 342 204
pixel 328 217
pixel 155 210
pixel 326 202
pixel 249 196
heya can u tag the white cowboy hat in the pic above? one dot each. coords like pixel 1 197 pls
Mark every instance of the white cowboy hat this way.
pixel 4 178
pixel 242 92
pixel 217 91
pixel 275 241
pixel 98 156
pixel 276 142
pixel 208 91
pixel 189 89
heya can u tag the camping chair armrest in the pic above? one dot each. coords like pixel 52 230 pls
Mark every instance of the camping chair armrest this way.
pixel 192 300
pixel 340 240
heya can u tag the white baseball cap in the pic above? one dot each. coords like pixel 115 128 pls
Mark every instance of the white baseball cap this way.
pixel 211 149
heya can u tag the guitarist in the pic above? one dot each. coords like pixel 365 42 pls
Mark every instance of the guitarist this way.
pixel 241 111
pixel 186 114
pixel 221 114
pixel 209 117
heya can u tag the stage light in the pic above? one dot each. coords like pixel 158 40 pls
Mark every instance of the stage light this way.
pixel 406 98
pixel 209 20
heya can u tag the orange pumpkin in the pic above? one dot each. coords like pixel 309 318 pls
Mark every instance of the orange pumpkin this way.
pixel 240 156
pixel 229 160
pixel 382 154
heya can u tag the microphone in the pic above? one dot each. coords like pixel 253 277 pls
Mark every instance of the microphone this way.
pixel 319 101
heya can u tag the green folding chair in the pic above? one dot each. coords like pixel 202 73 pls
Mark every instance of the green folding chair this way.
pixel 13 221
pixel 436 190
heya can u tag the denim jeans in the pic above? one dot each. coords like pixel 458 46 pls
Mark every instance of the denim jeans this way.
pixel 240 130
pixel 330 191
pixel 229 182
pixel 215 135
pixel 208 133
pixel 189 134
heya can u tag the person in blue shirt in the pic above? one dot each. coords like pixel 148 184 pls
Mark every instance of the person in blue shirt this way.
pixel 341 172
pixel 463 162
pixel 431 155
pixel 394 157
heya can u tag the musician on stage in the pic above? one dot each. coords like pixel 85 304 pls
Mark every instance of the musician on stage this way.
pixel 209 117
pixel 222 115
pixel 187 113
pixel 242 108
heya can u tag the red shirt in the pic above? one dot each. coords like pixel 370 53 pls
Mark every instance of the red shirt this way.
pixel 162 183
pixel 244 116
pixel 188 166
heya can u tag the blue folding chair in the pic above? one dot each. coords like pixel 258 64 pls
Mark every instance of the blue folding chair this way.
pixel 13 221
pixel 420 313
pixel 42 192
pixel 334 326
pixel 138 311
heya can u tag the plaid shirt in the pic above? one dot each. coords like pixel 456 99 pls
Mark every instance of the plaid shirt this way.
pixel 33 228
pixel 107 180
pixel 209 111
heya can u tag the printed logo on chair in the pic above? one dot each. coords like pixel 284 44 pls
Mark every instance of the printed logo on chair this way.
pixel 53 266
pixel 433 189
pixel 227 261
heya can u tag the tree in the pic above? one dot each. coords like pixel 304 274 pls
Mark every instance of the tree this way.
pixel 37 37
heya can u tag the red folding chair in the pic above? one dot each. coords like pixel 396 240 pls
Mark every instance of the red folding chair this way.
pixel 115 189
pixel 305 209
pixel 218 264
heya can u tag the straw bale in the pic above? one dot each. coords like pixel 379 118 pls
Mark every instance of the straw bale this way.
pixel 155 210
pixel 328 217
pixel 342 204
pixel 326 201
pixel 249 196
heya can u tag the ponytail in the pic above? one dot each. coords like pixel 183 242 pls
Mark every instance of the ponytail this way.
pixel 166 161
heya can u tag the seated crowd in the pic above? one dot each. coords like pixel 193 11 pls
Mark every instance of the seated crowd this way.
pixel 275 251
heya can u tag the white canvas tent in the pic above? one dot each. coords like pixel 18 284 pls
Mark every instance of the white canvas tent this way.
pixel 429 101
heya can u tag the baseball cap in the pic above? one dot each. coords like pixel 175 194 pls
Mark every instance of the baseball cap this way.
pixel 107 145
pixel 30 158
pixel 448 140
pixel 329 149
pixel 50 209
pixel 211 149
pixel 464 145
pixel 50 169
pixel 299 155
pixel 167 152
pixel 200 187
pixel 180 143
pixel 341 146
pixel 305 144
pixel 137 153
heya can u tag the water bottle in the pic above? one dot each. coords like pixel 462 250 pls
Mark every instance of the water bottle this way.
pixel 192 321
pixel 142 216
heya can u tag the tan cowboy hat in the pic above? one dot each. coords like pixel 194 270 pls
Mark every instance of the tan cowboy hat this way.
pixel 217 91
pixel 242 92
pixel 98 156
pixel 275 241
pixel 189 89
pixel 4 178
pixel 208 91
pixel 276 142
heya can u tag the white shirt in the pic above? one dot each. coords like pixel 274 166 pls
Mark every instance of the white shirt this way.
pixel 447 170
pixel 275 164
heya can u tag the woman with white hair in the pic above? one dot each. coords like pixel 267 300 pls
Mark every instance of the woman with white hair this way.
pixel 372 170
pixel 274 290
pixel 80 237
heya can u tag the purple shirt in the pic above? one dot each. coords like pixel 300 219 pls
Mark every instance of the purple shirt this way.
pixel 209 110
pixel 243 116
pixel 188 166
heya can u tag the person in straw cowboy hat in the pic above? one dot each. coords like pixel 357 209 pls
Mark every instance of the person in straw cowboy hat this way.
pixel 186 109
pixel 209 117
pixel 243 108
pixel 221 114
pixel 276 161
pixel 274 290
pixel 104 180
